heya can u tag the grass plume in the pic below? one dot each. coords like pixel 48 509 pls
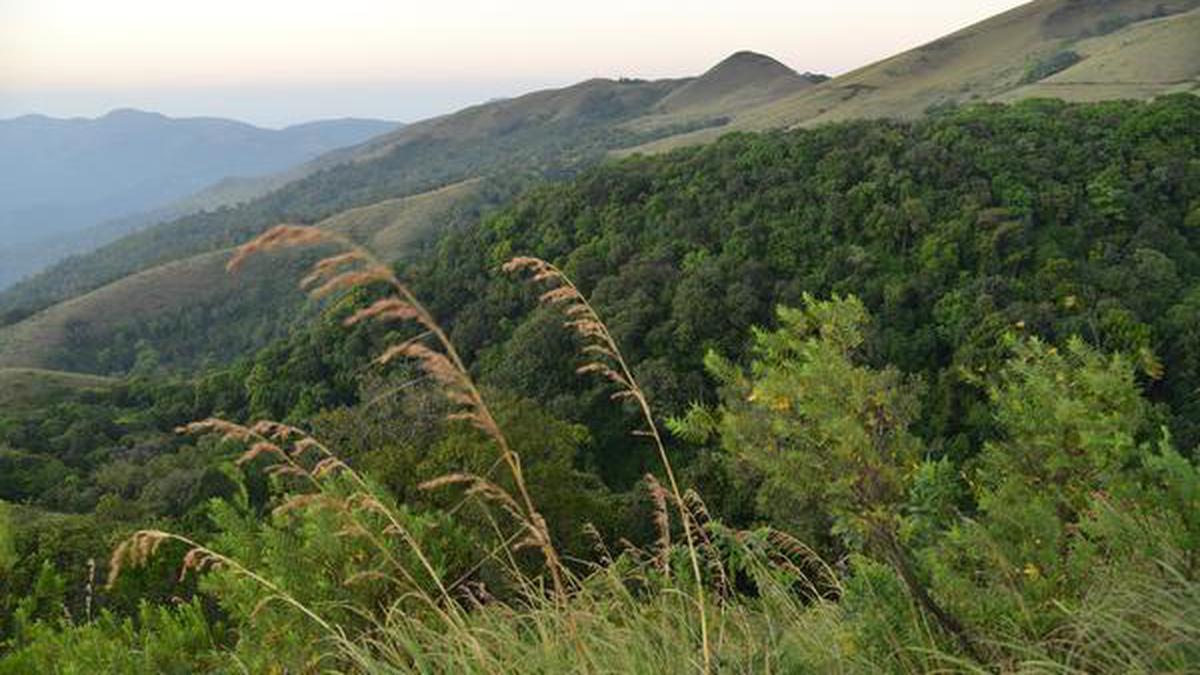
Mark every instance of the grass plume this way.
pixel 604 358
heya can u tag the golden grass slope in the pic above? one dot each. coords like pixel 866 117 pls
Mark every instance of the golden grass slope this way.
pixel 392 227
pixel 1146 59
pixel 32 342
pixel 742 81
pixel 497 118
pixel 987 62
pixel 27 387
pixel 389 228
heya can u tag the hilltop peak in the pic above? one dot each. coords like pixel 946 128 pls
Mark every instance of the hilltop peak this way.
pixel 749 59
pixel 131 114
pixel 744 77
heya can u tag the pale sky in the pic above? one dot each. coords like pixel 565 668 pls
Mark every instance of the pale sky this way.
pixel 275 62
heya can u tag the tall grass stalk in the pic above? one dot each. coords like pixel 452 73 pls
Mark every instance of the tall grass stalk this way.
pixel 356 266
pixel 605 358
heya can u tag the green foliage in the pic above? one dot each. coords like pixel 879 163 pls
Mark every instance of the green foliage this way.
pixel 1043 68
pixel 158 640
pixel 309 554
pixel 828 436
pixel 8 544
pixel 951 230
pixel 1066 495
pixel 997 465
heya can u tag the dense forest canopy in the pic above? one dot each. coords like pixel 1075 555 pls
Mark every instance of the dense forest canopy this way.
pixel 1052 218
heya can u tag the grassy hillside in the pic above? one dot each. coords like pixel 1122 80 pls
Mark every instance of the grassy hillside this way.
pixel 541 134
pixel 85 333
pixel 28 387
pixel 392 228
pixel 743 79
pixel 190 310
pixel 1146 59
pixel 1128 49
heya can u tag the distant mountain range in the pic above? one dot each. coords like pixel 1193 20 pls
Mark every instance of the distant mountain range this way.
pixel 61 177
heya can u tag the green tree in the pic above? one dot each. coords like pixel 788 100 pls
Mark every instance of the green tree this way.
pixel 1069 493
pixel 830 437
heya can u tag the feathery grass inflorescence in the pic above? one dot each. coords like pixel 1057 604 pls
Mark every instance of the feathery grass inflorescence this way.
pixel 289 452
pixel 291 449
pixel 141 546
pixel 356 266
pixel 604 358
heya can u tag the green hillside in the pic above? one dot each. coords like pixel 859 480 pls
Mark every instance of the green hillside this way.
pixel 393 228
pixel 191 310
pixel 26 387
pixel 950 236
pixel 88 298
pixel 188 310
pixel 544 133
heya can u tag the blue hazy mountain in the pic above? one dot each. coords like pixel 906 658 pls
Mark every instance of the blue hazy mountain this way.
pixel 61 177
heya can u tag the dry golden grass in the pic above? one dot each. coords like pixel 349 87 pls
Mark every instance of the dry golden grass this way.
pixel 1147 59
pixel 986 62
pixel 390 228
pixel 603 356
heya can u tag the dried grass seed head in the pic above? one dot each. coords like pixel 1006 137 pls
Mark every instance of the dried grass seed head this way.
pixel 280 236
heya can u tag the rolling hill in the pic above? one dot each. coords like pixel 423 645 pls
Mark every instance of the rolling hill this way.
pixel 1122 49
pixel 545 133
pixel 742 81
pixel 28 387
pixel 195 308
pixel 62 177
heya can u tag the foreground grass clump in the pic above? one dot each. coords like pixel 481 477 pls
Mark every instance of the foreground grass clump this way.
pixel 1068 545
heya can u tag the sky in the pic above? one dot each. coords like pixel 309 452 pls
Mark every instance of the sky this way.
pixel 279 62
